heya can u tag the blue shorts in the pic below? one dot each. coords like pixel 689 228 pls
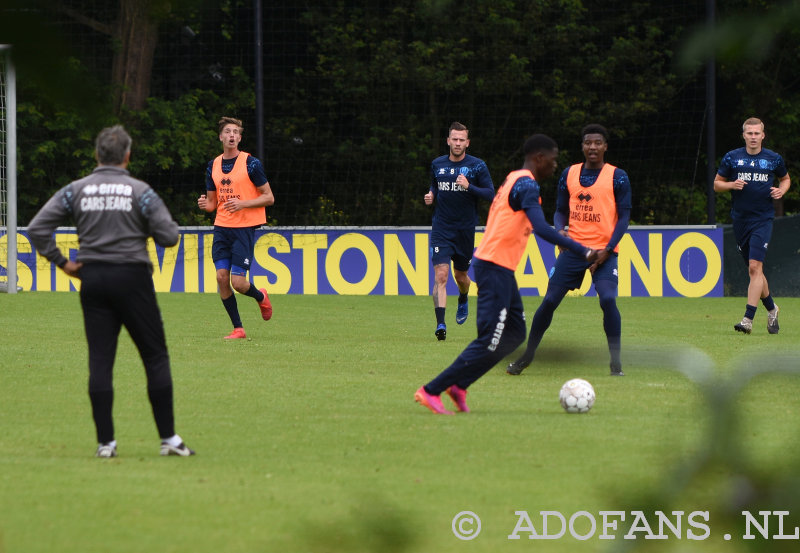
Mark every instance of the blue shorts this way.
pixel 752 239
pixel 455 245
pixel 233 248
pixel 570 269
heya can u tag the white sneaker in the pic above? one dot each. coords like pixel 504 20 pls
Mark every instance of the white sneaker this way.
pixel 745 326
pixel 106 451
pixel 772 321
pixel 180 450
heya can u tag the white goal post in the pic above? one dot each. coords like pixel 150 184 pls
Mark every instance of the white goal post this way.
pixel 8 172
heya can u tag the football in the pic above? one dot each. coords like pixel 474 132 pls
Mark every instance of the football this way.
pixel 576 396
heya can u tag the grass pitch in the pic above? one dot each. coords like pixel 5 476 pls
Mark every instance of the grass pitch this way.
pixel 308 437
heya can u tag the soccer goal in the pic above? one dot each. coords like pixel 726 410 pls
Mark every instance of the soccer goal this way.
pixel 8 173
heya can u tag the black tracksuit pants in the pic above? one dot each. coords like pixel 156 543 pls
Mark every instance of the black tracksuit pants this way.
pixel 113 295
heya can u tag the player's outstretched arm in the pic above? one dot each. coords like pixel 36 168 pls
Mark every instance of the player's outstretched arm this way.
pixel 545 231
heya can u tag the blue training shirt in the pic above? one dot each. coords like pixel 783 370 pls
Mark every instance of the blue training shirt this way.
pixel 758 171
pixel 255 170
pixel 456 208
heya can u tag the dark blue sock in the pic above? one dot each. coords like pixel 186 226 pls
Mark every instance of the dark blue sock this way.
pixel 462 298
pixel 254 293
pixel 233 311
pixel 614 347
pixel 750 312
pixel 769 303
pixel 541 320
pixel 612 321
pixel 439 315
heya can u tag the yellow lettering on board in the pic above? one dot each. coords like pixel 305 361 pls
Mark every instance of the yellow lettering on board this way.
pixel 261 253
pixel 537 278
pixel 651 273
pixel 713 264
pixel 209 271
pixel 333 264
pixel 395 257
pixel 473 290
pixel 310 244
pixel 163 273
pixel 24 274
pixel 44 272
pixel 65 243
pixel 191 261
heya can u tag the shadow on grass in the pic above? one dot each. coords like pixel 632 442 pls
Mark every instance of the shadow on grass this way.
pixel 370 526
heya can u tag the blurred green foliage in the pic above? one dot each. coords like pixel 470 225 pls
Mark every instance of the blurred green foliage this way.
pixel 361 97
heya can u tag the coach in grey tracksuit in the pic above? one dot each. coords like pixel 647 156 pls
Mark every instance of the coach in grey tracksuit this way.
pixel 114 215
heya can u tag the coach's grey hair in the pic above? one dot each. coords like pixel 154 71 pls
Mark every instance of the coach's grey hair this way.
pixel 112 144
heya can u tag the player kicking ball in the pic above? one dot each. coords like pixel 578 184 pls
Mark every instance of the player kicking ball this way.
pixel 515 212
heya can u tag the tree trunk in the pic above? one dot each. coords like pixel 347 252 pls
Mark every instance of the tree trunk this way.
pixel 137 32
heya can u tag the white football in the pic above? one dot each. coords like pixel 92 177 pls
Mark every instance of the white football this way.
pixel 576 396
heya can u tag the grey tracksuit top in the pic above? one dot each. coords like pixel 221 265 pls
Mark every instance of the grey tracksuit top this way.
pixel 114 214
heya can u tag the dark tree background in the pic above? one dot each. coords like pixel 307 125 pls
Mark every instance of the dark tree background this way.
pixel 359 94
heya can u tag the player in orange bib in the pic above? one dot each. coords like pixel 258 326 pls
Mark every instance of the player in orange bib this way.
pixel 594 202
pixel 237 188
pixel 516 212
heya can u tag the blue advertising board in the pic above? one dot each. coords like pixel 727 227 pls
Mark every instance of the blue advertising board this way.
pixel 653 261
